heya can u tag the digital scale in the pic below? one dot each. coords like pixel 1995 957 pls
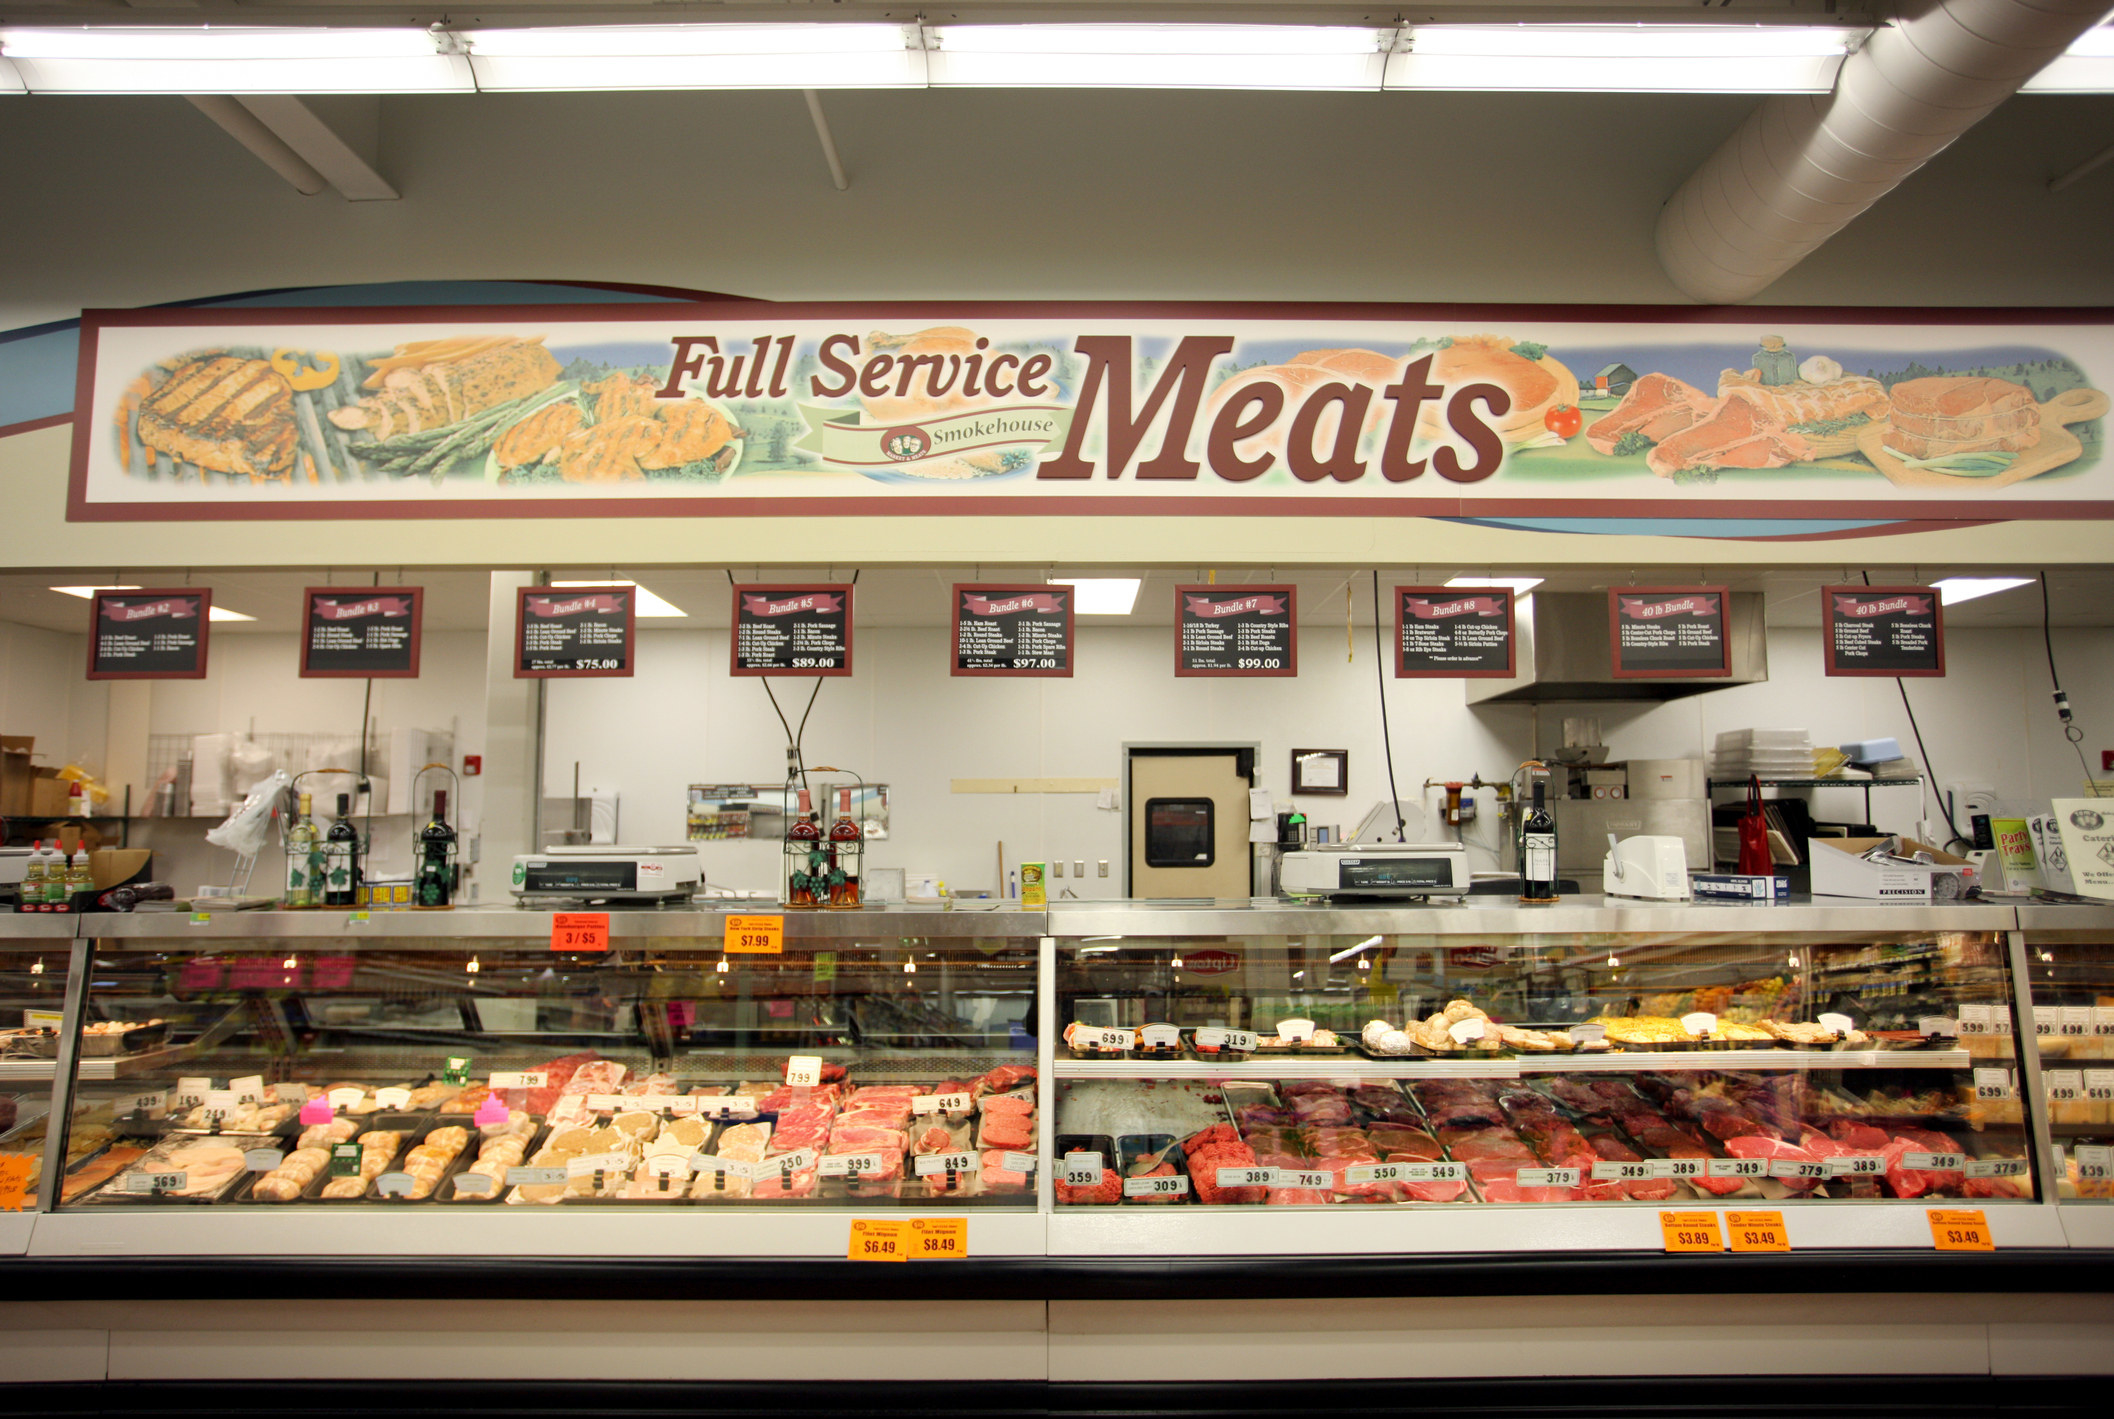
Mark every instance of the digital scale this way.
pixel 599 872
pixel 1376 870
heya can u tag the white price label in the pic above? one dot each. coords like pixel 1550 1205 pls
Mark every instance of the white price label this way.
pixel 739 1106
pixel 1156 1187
pixel 2103 1019
pixel 190 1092
pixel 1017 1162
pixel 1099 1038
pixel 1160 1037
pixel 1700 1023
pixel 1546 1177
pixel 713 1163
pixel 153 1105
pixel 1677 1167
pixel 1588 1034
pixel 346 1097
pixel 1838 1023
pixel 1992 1083
pixel 604 1163
pixel 1082 1169
pixel 262 1160
pixel 290 1093
pixel 219 1105
pixel 395 1184
pixel 1995 1168
pixel 928 1164
pixel 2077 1020
pixel 668 1165
pixel 474 1185
pixel 2099 1085
pixel 1434 1172
pixel 249 1088
pixel 613 1103
pixel 534 1177
pixel 939 1103
pixel 1298 1031
pixel 1737 1168
pixel 2063 1086
pixel 155 1182
pixel 1938 1025
pixel 681 1105
pixel 1934 1162
pixel 2047 1020
pixel 1354 1175
pixel 2095 1162
pixel 1225 1041
pixel 1975 1020
pixel 1299 1178
pixel 519 1079
pixel 804 1071
pixel 1462 1031
pixel 1793 1169
pixel 1999 1020
pixel 396 1096
pixel 1622 1172
pixel 786 1164
pixel 853 1165
pixel 1855 1165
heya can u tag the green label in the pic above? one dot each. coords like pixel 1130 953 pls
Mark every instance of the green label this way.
pixel 825 965
pixel 345 1160
pixel 520 873
pixel 458 1070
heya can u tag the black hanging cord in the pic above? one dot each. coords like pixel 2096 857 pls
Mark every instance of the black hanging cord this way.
pixel 1945 805
pixel 794 739
pixel 1394 802
pixel 2071 731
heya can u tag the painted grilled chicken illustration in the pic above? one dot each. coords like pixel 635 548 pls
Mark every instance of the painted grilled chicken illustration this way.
pixel 431 383
pixel 222 413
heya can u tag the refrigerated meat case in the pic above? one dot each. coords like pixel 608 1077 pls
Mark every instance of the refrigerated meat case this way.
pixel 34 954
pixel 644 1087
pixel 2069 988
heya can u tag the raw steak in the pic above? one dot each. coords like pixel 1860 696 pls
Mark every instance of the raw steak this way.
pixel 1658 406
pixel 1008 1131
pixel 1773 1150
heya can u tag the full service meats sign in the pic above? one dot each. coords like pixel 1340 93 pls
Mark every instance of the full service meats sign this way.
pixel 761 409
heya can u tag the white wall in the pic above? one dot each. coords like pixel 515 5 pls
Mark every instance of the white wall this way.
pixel 44 691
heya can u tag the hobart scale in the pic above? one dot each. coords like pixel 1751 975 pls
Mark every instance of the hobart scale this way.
pixel 1397 870
pixel 618 876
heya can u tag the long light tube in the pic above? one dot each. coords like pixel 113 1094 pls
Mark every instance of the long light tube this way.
pixel 1756 59
pixel 1159 56
pixel 2086 67
pixel 234 60
pixel 791 56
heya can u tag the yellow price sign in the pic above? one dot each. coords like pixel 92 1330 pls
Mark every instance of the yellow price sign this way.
pixel 876 1241
pixel 15 1169
pixel 939 1238
pixel 1756 1231
pixel 1691 1231
pixel 755 936
pixel 1960 1229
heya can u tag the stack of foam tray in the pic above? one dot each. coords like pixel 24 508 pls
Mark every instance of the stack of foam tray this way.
pixel 1882 759
pixel 1764 753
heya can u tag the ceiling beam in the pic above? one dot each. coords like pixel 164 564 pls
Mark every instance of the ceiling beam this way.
pixel 291 140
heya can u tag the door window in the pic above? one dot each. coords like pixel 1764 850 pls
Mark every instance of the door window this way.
pixel 1179 832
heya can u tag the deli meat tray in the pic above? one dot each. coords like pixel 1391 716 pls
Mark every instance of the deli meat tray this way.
pixel 191 1168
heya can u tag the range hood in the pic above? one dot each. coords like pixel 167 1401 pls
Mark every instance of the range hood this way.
pixel 1564 654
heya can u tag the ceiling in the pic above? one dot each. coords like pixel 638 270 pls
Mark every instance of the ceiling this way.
pixel 917 596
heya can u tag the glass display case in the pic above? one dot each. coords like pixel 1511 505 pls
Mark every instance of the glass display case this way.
pixel 464 1063
pixel 2069 982
pixel 36 954
pixel 1341 1069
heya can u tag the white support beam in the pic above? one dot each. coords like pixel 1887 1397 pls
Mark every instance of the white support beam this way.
pixel 249 130
pixel 318 144
pixel 829 141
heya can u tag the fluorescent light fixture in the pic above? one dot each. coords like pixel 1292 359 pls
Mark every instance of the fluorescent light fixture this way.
pixel 1159 56
pixel 791 56
pixel 649 605
pixel 217 612
pixel 1518 584
pixel 1641 58
pixel 2086 67
pixel 84 592
pixel 1955 589
pixel 1100 595
pixel 217 60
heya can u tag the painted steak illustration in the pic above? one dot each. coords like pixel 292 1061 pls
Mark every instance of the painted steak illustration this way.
pixel 1657 406
pixel 1738 435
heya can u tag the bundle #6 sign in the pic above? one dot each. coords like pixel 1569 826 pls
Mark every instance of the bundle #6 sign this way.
pixel 1013 630
pixel 792 630
pixel 583 630
pixel 1248 631
pixel 367 634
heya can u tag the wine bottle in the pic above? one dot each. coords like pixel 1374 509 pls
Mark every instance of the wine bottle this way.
pixel 436 856
pixel 341 858
pixel 843 859
pixel 304 860
pixel 1537 851
pixel 806 865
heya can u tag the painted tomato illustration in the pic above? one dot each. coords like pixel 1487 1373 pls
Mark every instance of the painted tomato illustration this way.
pixel 1564 421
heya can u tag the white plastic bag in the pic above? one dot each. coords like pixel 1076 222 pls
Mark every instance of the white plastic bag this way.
pixel 248 828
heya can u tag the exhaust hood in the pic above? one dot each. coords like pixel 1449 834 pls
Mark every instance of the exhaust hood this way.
pixel 1564 654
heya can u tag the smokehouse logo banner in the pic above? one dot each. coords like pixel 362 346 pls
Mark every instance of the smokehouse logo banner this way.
pixel 760 409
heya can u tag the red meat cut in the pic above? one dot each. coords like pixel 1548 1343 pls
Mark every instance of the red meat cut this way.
pixel 1657 405
pixel 1737 435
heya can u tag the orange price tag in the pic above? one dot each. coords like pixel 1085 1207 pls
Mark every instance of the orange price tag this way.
pixel 1960 1229
pixel 755 936
pixel 14 1180
pixel 939 1238
pixel 876 1241
pixel 1756 1231
pixel 1691 1231
pixel 580 931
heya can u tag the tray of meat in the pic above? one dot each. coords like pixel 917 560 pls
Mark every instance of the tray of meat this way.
pixel 498 1148
pixel 183 1168
pixel 1099 1042
pixel 956 1165
pixel 1222 1168
pixel 1087 1172
pixel 382 1137
pixel 789 1176
pixel 438 1153
pixel 742 1145
pixel 1384 1103
pixel 1151 1167
pixel 1210 1045
pixel 1003 1080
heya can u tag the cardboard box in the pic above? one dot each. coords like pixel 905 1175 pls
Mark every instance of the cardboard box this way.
pixel 1840 870
pixel 115 866
pixel 17 775
pixel 49 794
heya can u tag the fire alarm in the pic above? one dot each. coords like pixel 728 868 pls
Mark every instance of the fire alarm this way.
pixel 472 765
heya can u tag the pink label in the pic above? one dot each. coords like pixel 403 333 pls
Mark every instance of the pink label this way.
pixel 680 1014
pixel 491 1111
pixel 315 1111
pixel 331 972
pixel 200 973
pixel 264 973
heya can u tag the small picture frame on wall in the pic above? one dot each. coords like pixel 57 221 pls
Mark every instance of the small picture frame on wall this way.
pixel 1321 771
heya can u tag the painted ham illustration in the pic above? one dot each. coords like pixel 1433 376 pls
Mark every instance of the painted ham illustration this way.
pixel 1940 416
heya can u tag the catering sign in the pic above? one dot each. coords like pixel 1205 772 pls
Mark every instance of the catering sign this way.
pixel 761 409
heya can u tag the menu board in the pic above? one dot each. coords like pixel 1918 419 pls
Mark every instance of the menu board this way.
pixel 576 630
pixel 1452 632
pixel 150 635
pixel 1012 630
pixel 1883 630
pixel 363 633
pixel 792 630
pixel 1236 631
pixel 1660 632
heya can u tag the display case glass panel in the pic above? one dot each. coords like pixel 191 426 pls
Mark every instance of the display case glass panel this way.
pixel 2070 984
pixel 34 954
pixel 1353 1062
pixel 458 1060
